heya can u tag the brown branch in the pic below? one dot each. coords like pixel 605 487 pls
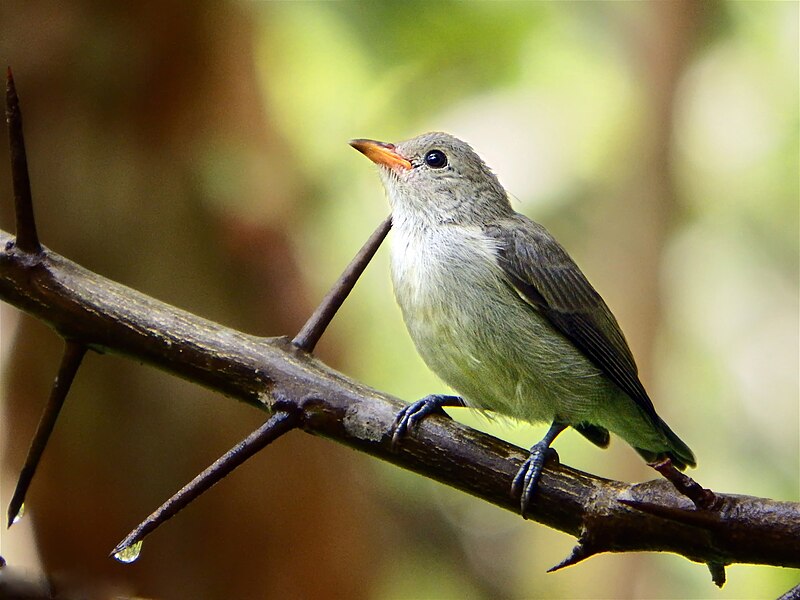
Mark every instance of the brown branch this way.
pixel 107 316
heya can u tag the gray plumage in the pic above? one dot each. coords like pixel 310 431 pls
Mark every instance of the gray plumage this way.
pixel 498 309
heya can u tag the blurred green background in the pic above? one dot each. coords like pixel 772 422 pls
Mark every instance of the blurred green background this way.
pixel 198 152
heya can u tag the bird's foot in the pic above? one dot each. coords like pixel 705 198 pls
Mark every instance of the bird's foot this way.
pixel 527 478
pixel 411 415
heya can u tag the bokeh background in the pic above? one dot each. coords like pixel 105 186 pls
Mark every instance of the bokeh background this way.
pixel 197 152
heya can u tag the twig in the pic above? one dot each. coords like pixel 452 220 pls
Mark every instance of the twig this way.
pixel 278 424
pixel 315 326
pixel 70 362
pixel 27 238
pixel 704 499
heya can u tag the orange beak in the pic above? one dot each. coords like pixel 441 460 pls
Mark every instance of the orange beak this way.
pixel 381 153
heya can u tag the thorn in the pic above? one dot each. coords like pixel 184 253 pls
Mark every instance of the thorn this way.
pixel 717 573
pixel 27 238
pixel 580 552
pixel 703 499
pixel 278 424
pixel 312 331
pixel 697 518
pixel 70 362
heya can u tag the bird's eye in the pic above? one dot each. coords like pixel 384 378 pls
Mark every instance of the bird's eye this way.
pixel 436 159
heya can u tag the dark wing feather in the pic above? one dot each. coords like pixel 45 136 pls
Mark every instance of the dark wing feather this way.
pixel 599 436
pixel 547 278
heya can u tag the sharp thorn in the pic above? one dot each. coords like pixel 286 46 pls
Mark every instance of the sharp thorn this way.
pixel 703 499
pixel 717 571
pixel 70 362
pixel 278 424
pixel 580 552
pixel 698 518
pixel 27 238
pixel 312 331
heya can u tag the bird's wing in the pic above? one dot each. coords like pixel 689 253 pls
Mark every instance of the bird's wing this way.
pixel 545 276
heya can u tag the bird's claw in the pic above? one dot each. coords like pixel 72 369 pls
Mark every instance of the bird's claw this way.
pixel 527 478
pixel 411 415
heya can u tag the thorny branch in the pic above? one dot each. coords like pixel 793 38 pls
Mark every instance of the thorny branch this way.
pixel 281 378
pixel 110 317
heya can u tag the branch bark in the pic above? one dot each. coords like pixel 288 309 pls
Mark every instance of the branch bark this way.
pixel 605 516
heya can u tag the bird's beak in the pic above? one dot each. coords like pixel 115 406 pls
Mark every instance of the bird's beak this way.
pixel 381 153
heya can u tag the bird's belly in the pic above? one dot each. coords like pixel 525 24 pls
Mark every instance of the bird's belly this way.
pixel 473 331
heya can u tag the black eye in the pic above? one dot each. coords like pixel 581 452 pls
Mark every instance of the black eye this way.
pixel 436 159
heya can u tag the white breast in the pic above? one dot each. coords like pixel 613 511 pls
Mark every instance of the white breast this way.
pixel 432 265
pixel 472 329
pixel 447 283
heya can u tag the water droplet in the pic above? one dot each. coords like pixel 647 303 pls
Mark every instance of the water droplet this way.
pixel 19 515
pixel 129 553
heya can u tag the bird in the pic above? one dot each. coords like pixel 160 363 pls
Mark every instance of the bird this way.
pixel 498 309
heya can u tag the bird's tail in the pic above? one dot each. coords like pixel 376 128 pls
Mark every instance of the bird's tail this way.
pixel 678 451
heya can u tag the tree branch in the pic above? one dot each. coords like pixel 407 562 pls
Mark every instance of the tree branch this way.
pixel 606 516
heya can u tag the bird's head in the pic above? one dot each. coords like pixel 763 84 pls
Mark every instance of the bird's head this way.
pixel 436 178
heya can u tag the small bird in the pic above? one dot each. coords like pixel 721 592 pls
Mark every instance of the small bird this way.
pixel 502 314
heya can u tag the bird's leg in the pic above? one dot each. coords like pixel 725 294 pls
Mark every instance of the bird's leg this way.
pixel 527 477
pixel 412 414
